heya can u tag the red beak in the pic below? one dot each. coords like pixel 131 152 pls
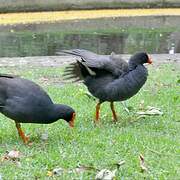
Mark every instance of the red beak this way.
pixel 149 60
pixel 71 122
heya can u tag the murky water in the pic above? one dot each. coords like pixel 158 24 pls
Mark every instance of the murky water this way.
pixel 32 42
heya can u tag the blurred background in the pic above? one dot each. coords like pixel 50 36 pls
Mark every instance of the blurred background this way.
pixel 156 33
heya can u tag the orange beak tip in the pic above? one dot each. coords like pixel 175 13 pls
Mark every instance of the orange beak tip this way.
pixel 71 122
pixel 71 125
pixel 150 61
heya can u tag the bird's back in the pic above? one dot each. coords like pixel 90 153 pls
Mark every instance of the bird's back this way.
pixel 23 100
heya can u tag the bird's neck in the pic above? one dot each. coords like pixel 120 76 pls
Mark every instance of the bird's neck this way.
pixel 60 111
pixel 139 73
pixel 132 65
pixel 55 113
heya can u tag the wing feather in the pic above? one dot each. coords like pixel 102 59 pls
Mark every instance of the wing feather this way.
pixel 90 61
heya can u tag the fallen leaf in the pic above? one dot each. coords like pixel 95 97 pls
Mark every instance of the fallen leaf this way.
pixel 13 155
pixel 82 168
pixel 151 111
pixel 56 172
pixel 105 174
pixel 142 163
pixel 49 173
pixel 120 163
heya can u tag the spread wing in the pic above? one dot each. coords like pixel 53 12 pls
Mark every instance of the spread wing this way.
pixel 91 62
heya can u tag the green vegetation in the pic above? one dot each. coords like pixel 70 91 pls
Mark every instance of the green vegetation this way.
pixel 157 138
pixel 126 40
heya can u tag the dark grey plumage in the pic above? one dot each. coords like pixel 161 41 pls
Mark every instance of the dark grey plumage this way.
pixel 26 102
pixel 111 63
pixel 108 77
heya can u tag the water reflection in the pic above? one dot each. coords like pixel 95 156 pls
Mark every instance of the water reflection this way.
pixel 29 43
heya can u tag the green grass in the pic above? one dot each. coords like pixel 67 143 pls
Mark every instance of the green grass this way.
pixel 157 138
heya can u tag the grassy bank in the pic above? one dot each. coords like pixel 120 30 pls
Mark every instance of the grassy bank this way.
pixel 155 137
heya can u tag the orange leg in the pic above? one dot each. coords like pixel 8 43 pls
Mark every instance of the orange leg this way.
pixel 21 133
pixel 113 112
pixel 97 112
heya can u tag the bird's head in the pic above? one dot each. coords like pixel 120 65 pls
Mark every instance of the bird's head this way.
pixel 140 58
pixel 70 116
pixel 65 112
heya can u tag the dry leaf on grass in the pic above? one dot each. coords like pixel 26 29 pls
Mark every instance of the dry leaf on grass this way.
pixel 12 155
pixel 59 171
pixel 83 168
pixel 105 174
pixel 56 172
pixel 120 163
pixel 142 163
pixel 151 111
pixel 49 173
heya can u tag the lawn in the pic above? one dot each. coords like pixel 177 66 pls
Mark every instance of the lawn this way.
pixel 157 138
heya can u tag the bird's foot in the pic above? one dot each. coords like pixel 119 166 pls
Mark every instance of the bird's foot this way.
pixel 25 139
pixel 114 120
pixel 96 121
pixel 21 133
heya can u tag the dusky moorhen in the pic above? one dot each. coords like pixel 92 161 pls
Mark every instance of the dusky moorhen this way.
pixel 108 77
pixel 26 102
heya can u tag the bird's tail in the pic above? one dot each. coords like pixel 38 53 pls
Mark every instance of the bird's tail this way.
pixel 77 71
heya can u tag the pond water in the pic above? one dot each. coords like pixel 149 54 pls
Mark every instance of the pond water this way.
pixel 42 41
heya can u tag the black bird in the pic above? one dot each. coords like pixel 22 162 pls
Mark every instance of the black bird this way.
pixel 26 102
pixel 108 77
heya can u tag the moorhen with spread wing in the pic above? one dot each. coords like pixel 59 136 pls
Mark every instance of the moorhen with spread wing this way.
pixel 108 77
